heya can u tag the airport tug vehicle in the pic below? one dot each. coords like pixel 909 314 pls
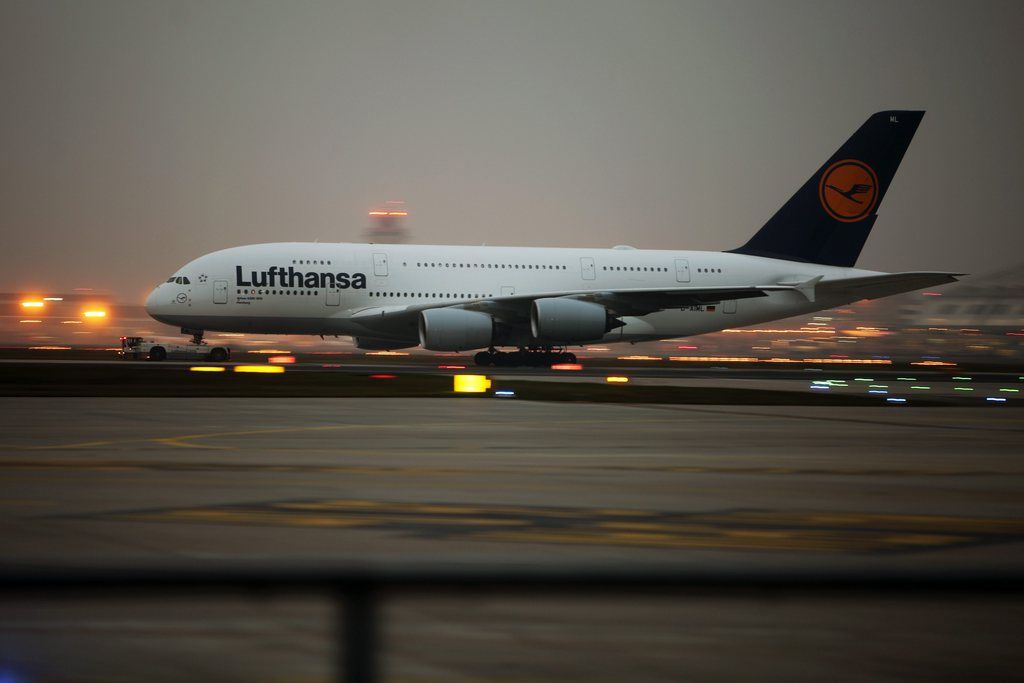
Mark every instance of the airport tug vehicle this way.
pixel 137 348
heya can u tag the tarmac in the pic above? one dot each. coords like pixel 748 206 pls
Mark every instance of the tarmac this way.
pixel 428 483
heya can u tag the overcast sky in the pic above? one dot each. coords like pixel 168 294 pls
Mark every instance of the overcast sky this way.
pixel 139 135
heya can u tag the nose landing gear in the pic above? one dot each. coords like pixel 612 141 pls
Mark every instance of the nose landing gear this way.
pixel 532 356
pixel 197 335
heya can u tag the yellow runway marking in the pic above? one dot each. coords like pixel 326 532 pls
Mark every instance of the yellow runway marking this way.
pixel 179 440
pixel 767 530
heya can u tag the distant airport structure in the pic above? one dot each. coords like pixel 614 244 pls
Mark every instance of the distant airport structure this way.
pixel 993 301
pixel 387 223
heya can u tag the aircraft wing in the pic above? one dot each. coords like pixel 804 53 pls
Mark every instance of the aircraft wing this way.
pixel 401 320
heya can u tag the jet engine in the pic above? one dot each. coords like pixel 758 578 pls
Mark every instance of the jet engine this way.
pixel 455 329
pixel 569 320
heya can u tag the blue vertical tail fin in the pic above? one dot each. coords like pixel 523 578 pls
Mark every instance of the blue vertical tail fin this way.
pixel 828 220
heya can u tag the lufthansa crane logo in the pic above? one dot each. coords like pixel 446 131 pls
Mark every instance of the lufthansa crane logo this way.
pixel 848 190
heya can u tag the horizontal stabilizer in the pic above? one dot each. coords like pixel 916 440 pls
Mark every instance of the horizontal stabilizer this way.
pixel 877 286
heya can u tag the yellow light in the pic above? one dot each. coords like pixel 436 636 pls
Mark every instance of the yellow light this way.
pixel 32 304
pixel 270 352
pixel 97 313
pixel 262 369
pixel 207 368
pixel 639 358
pixel 616 380
pixel 30 321
pixel 471 384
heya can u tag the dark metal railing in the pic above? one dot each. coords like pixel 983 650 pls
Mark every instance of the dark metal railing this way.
pixel 358 594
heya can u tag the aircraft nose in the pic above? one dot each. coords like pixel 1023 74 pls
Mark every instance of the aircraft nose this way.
pixel 152 307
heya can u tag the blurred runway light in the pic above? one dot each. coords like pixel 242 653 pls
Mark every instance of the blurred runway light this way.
pixel 281 360
pixel 471 384
pixel 95 313
pixel 896 400
pixel 207 368
pixel 566 366
pixel 614 379
pixel 995 399
pixel 31 303
pixel 260 369
pixel 505 393
pixel 378 376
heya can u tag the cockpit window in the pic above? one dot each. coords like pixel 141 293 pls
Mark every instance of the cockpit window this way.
pixel 170 279
pixel 185 281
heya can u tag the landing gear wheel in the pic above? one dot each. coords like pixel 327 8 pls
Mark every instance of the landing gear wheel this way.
pixel 157 353
pixel 485 358
pixel 218 355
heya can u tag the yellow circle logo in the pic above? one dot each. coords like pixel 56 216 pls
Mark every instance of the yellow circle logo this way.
pixel 848 190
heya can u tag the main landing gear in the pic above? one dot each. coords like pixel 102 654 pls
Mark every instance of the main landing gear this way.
pixel 535 357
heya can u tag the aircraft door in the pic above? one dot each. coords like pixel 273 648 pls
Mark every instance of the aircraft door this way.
pixel 587 268
pixel 333 295
pixel 729 306
pixel 220 291
pixel 682 270
pixel 380 264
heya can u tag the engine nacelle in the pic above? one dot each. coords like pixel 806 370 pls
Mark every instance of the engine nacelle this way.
pixel 568 320
pixel 455 329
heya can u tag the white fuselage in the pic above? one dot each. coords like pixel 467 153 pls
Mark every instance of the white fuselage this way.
pixel 319 288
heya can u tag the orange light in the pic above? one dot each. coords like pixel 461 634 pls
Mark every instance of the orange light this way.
pixel 616 380
pixel 713 359
pixel 934 362
pixel 387 353
pixel 32 303
pixel 639 358
pixel 397 213
pixel 269 352
pixel 281 360
pixel 30 321
pixel 382 376
pixel 95 313
pixel 566 366
pixel 378 213
pixel 451 367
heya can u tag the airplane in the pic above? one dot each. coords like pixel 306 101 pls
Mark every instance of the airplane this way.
pixel 543 301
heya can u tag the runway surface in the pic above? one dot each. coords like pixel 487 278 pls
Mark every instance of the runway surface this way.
pixel 98 482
